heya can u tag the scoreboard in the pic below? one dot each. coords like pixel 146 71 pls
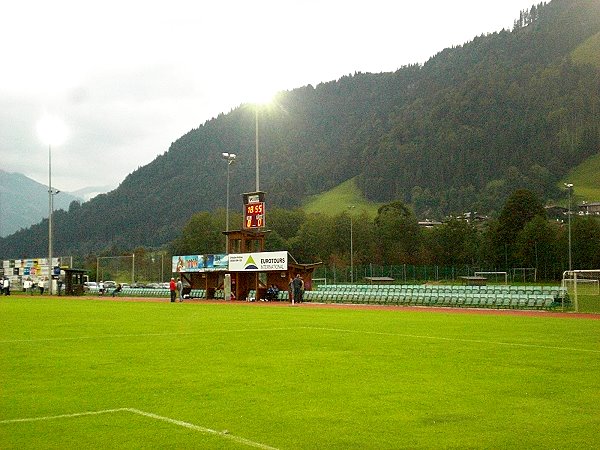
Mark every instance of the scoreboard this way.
pixel 254 210
pixel 254 215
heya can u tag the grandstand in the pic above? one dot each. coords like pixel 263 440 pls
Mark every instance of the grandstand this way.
pixel 493 296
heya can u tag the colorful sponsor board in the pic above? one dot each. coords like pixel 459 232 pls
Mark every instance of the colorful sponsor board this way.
pixel 258 262
pixel 199 263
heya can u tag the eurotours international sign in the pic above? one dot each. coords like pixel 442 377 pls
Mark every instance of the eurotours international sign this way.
pixel 258 262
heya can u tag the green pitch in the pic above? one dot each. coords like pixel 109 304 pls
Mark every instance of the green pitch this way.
pixel 101 374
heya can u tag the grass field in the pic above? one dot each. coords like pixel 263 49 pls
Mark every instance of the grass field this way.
pixel 101 374
pixel 338 199
pixel 585 180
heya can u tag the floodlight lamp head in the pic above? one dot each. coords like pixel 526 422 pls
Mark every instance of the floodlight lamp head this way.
pixel 52 130
pixel 229 157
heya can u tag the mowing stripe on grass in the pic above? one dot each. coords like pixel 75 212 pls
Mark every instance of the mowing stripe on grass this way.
pixel 339 330
pixel 117 336
pixel 440 338
pixel 191 426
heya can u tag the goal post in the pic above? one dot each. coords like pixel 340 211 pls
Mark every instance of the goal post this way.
pixel 524 274
pixel 583 285
pixel 117 267
pixel 497 274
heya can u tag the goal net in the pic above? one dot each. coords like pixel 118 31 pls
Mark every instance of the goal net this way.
pixel 583 287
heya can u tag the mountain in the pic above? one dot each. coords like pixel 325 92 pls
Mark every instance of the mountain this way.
pixel 24 202
pixel 508 110
pixel 90 192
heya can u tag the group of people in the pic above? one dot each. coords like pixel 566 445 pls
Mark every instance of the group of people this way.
pixel 176 289
pixel 296 287
pixel 296 290
pixel 29 286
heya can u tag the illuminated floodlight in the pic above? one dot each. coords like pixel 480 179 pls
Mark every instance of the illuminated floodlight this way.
pixel 52 130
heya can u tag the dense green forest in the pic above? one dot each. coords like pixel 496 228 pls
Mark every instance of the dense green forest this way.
pixel 506 111
pixel 521 236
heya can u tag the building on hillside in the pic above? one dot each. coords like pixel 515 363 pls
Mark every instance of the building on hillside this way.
pixel 589 209
pixel 429 223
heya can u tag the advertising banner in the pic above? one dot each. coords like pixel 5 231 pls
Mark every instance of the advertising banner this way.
pixel 199 263
pixel 258 262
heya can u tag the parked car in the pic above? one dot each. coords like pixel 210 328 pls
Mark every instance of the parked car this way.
pixel 90 285
pixel 110 284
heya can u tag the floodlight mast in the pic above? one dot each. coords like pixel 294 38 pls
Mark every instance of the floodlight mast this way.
pixel 351 207
pixel 50 207
pixel 230 158
pixel 569 187
pixel 52 131
pixel 256 146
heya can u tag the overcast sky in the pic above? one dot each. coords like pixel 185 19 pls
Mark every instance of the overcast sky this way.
pixel 127 77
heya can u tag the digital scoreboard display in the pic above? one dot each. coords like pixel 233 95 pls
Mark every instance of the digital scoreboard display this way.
pixel 254 215
pixel 254 210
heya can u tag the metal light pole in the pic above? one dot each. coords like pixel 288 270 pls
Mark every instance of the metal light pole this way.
pixel 569 187
pixel 256 146
pixel 351 247
pixel 230 158
pixel 50 207
pixel 51 193
pixel 52 131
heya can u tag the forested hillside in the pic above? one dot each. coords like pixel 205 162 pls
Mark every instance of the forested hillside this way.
pixel 24 202
pixel 507 110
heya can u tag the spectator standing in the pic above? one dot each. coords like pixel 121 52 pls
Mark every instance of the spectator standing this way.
pixel 291 290
pixel 172 288
pixel 27 285
pixel 298 287
pixel 179 287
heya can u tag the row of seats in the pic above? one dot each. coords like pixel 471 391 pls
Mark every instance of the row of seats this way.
pixel 137 292
pixel 487 289
pixel 512 301
pixel 524 297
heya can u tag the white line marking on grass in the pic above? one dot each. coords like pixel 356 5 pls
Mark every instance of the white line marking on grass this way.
pixel 239 440
pixel 63 416
pixel 191 426
pixel 475 341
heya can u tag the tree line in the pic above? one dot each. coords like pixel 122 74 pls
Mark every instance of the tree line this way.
pixel 520 236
